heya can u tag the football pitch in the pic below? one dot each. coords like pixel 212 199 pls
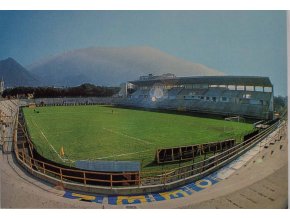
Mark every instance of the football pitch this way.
pixel 108 133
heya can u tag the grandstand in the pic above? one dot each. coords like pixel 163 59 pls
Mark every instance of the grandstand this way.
pixel 8 114
pixel 245 96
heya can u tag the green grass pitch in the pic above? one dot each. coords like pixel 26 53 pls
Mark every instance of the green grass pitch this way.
pixel 107 133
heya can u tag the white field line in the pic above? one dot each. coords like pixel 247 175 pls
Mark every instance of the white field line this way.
pixel 122 134
pixel 35 124
pixel 125 154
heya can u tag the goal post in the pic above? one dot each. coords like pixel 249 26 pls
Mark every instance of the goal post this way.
pixel 235 119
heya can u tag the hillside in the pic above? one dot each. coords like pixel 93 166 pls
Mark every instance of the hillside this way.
pixel 111 66
pixel 14 74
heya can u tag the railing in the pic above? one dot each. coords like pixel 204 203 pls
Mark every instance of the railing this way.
pixel 69 101
pixel 162 178
pixel 202 166
pixel 175 154
pixel 109 179
pixel 65 173
pixel 62 174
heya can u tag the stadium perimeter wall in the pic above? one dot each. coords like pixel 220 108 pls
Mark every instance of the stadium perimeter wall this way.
pixel 67 101
pixel 165 182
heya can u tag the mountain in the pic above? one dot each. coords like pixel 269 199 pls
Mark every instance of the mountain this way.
pixel 111 66
pixel 14 74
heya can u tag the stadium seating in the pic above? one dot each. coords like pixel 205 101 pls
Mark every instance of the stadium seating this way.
pixel 176 101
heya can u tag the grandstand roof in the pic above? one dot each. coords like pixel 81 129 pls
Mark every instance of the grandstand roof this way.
pixel 212 80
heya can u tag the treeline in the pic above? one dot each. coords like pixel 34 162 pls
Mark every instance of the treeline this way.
pixel 280 103
pixel 85 90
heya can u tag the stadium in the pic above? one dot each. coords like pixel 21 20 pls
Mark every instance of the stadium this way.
pixel 159 133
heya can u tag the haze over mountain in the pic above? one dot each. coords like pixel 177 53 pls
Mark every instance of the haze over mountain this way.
pixel 111 66
pixel 14 74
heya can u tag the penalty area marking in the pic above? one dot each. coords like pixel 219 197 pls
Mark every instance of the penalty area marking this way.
pixel 119 155
pixel 125 154
pixel 35 124
pixel 131 137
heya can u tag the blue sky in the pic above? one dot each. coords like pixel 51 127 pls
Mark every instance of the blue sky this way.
pixel 234 42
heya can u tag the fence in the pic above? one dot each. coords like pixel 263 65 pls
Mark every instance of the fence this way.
pixel 68 101
pixel 216 161
pixel 79 176
pixel 24 154
pixel 27 155
pixel 175 154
